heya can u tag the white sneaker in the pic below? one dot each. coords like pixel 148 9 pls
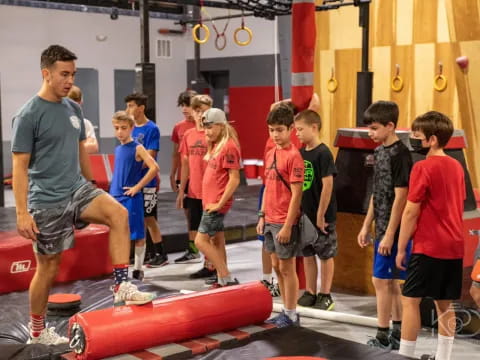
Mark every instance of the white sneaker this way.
pixel 128 294
pixel 48 336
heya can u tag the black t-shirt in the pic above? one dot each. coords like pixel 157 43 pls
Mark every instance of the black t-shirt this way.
pixel 392 169
pixel 318 164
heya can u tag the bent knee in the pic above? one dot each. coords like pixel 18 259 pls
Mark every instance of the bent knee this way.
pixel 475 293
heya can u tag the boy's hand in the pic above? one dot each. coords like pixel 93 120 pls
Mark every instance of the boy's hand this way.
pixel 212 207
pixel 363 238
pixel 173 183
pixel 261 225
pixel 180 198
pixel 27 227
pixel 385 246
pixel 131 191
pixel 401 260
pixel 322 225
pixel 284 234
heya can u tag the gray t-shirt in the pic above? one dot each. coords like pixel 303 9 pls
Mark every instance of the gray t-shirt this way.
pixel 51 133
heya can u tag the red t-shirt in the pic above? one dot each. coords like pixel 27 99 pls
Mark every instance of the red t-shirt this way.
pixel 194 146
pixel 277 196
pixel 180 129
pixel 438 184
pixel 216 175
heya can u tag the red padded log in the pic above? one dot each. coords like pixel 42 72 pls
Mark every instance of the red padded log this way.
pixel 124 329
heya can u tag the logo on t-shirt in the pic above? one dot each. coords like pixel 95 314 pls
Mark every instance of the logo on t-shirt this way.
pixel 230 158
pixel 297 172
pixel 139 138
pixel 309 175
pixel 75 121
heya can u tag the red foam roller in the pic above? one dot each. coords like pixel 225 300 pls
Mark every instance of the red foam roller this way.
pixel 124 329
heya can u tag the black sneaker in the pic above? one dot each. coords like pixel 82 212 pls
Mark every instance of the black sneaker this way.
pixel 272 287
pixel 158 261
pixel 394 341
pixel 324 303
pixel 307 299
pixel 138 275
pixel 233 282
pixel 211 280
pixel 427 357
pixel 202 273
pixel 376 343
pixel 189 258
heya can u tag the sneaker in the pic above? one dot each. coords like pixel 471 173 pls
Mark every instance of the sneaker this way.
pixel 48 336
pixel 272 287
pixel 189 258
pixel 215 286
pixel 283 321
pixel 324 303
pixel 307 299
pixel 211 280
pixel 158 261
pixel 273 319
pixel 230 283
pixel 128 294
pixel 394 341
pixel 233 282
pixel 374 342
pixel 427 357
pixel 138 275
pixel 203 273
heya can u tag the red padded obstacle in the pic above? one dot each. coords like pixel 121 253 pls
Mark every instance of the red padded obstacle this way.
pixel 102 169
pixel 124 329
pixel 89 258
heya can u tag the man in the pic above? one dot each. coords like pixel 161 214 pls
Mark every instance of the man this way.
pixel 51 169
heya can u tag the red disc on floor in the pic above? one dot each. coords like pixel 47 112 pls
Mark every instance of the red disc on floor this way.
pixel 64 298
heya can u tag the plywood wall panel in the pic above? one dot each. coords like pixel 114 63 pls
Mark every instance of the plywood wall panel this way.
pixel 403 56
pixel 383 26
pixel 425 21
pixel 443 100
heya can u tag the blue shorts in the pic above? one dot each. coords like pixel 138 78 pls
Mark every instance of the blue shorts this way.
pixel 261 237
pixel 384 267
pixel 135 208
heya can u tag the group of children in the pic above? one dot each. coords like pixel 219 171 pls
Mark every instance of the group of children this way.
pixel 418 239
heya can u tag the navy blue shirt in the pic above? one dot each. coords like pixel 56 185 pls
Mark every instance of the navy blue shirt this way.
pixel 148 135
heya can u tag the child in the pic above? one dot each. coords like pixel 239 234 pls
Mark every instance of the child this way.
pixel 127 182
pixel 281 209
pixel 392 167
pixel 220 180
pixel 475 288
pixel 434 217
pixel 319 203
pixel 193 149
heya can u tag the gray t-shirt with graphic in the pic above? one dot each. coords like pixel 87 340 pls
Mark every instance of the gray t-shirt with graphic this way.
pixel 51 133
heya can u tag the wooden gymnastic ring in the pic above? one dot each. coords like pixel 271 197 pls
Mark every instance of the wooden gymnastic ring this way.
pixel 443 82
pixel 194 33
pixel 332 85
pixel 397 79
pixel 246 42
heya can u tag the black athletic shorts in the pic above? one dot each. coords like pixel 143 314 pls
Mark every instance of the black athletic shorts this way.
pixel 440 279
pixel 195 211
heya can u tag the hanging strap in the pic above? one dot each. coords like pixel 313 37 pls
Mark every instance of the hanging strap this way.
pixel 274 165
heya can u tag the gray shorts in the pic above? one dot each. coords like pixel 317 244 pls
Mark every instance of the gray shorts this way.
pixel 211 223
pixel 56 225
pixel 476 258
pixel 271 244
pixel 325 246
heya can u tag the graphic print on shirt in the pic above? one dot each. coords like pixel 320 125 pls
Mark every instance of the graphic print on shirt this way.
pixel 309 175
pixel 139 138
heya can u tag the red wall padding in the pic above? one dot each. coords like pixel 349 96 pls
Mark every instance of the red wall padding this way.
pixel 124 329
pixel 89 258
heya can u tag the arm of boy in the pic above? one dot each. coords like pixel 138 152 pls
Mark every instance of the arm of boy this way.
pixel 233 182
pixel 385 246
pixel 84 161
pixel 175 166
pixel 363 235
pixel 183 182
pixel 325 196
pixel 409 223
pixel 153 169
pixel 261 219
pixel 285 232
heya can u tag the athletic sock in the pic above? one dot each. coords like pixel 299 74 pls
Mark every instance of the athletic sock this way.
pixel 191 247
pixel 159 250
pixel 407 348
pixel 120 274
pixel 444 347
pixel 396 329
pixel 139 257
pixel 292 314
pixel 382 335
pixel 224 280
pixel 268 277
pixel 37 324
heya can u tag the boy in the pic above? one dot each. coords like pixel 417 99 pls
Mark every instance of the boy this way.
pixel 281 209
pixel 319 203
pixel 127 182
pixel 392 167
pixel 434 217
pixel 146 133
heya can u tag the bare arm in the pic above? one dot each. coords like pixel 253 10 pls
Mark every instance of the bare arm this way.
pixel 261 219
pixel 325 197
pixel 362 237
pixel 26 226
pixel 285 232
pixel 233 182
pixel 175 166
pixel 152 166
pixel 84 161
pixel 394 222
pixel 409 224
pixel 183 182
pixel 91 145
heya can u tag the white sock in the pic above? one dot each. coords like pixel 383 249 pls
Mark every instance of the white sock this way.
pixel 268 277
pixel 225 280
pixel 139 257
pixel 292 314
pixel 407 348
pixel 444 347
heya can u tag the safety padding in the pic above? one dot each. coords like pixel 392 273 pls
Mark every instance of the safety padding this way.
pixel 168 320
pixel 89 258
pixel 102 169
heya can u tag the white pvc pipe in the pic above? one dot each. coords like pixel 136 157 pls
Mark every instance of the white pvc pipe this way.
pixel 332 316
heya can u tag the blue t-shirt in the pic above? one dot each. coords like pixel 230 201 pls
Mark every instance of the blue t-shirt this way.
pixel 148 135
pixel 127 170
pixel 50 132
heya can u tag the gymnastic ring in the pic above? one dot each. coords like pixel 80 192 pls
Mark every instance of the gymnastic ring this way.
pixel 220 36
pixel 332 85
pixel 194 33
pixel 443 82
pixel 397 80
pixel 246 42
